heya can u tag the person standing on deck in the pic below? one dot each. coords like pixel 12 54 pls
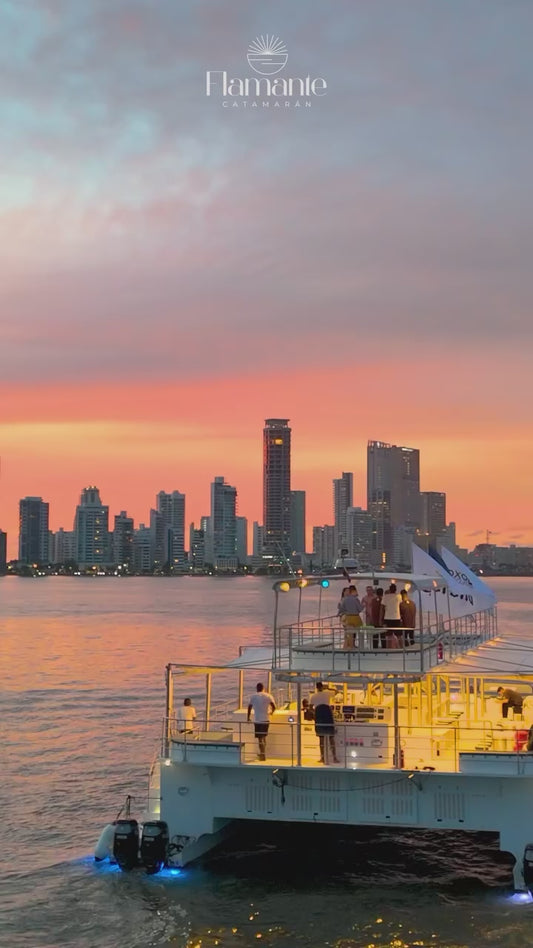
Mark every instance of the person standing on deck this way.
pixel 262 704
pixel 366 603
pixel 378 619
pixel 391 601
pixel 324 721
pixel 350 609
pixel 408 617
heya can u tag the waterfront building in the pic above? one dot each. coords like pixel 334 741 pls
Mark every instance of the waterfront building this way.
pixel 358 526
pixel 171 508
pixel 393 495
pixel 242 540
pixel 196 547
pixel 63 546
pixel 324 550
pixel 257 539
pixel 142 550
pixel 91 528
pixel 342 501
pixel 297 521
pixel 122 545
pixel 3 552
pixel 34 536
pixel 277 488
pixel 221 538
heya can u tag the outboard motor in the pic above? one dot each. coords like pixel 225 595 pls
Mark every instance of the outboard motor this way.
pixel 126 844
pixel 528 866
pixel 154 846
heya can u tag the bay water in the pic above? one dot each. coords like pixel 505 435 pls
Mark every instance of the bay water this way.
pixel 81 707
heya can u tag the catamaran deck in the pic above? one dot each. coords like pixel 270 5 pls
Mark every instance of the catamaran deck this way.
pixel 427 706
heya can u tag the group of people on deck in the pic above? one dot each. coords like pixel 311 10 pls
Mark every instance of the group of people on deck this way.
pixel 392 611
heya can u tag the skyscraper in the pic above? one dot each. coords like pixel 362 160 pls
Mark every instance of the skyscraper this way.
pixel 91 527
pixel 171 508
pixel 242 540
pixel 277 487
pixel 222 527
pixel 342 500
pixel 3 552
pixel 123 540
pixel 393 494
pixel 33 530
pixel 297 521
pixel 432 512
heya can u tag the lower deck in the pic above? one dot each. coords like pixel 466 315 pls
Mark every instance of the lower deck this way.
pixel 429 725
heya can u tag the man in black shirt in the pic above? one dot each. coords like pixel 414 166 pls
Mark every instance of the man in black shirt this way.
pixel 511 699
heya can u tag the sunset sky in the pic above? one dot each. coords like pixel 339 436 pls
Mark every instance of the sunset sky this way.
pixel 174 271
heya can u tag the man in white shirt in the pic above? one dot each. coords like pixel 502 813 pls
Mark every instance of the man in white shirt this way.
pixel 262 704
pixel 391 602
pixel 186 717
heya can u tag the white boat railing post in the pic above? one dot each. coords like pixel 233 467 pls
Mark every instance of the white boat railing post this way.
pixel 397 742
pixel 207 701
pixel 298 726
pixel 168 710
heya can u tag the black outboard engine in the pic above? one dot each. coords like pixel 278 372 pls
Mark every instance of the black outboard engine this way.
pixel 126 844
pixel 154 846
pixel 528 866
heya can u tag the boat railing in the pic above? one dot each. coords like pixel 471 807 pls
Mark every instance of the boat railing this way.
pixel 439 746
pixel 308 642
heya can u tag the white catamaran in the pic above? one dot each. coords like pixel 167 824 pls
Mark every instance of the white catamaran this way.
pixel 429 734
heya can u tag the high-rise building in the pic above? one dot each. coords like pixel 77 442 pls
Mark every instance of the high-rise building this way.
pixel 63 546
pixel 33 531
pixel 222 528
pixel 242 540
pixel 342 500
pixel 123 540
pixel 359 535
pixel 142 550
pixel 297 521
pixel 3 552
pixel 393 495
pixel 324 553
pixel 432 512
pixel 171 508
pixel 196 546
pixel 91 527
pixel 257 539
pixel 277 487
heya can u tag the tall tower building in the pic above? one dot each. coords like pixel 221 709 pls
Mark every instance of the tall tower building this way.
pixel 393 494
pixel 297 521
pixel 34 534
pixel 91 528
pixel 432 512
pixel 242 540
pixel 3 552
pixel 324 546
pixel 359 535
pixel 222 530
pixel 171 508
pixel 342 500
pixel 277 487
pixel 123 540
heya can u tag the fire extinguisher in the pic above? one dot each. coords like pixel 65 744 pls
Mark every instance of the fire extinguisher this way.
pixel 440 651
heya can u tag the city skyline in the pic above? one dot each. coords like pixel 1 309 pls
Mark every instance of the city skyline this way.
pixel 389 467
pixel 174 270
